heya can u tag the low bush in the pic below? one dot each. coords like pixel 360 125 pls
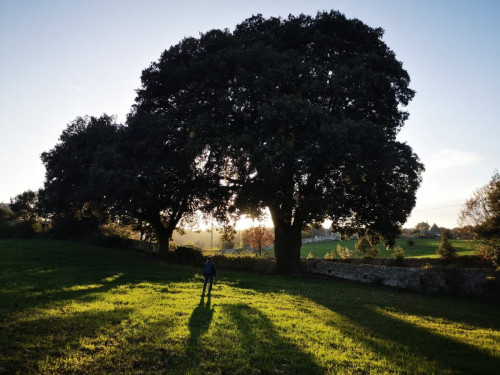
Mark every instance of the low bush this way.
pixel 345 253
pixel 6 229
pixel 24 230
pixel 245 262
pixel 410 241
pixel 189 255
pixel 366 248
pixel 398 255
pixel 330 255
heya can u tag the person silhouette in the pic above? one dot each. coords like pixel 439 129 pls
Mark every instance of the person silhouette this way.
pixel 210 273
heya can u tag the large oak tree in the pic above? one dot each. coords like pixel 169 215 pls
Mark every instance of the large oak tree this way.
pixel 306 111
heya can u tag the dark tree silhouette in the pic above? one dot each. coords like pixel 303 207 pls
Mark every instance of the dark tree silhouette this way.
pixel 159 173
pixel 305 112
pixel 24 206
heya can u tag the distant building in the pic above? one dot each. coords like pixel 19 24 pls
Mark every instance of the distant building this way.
pixel 434 232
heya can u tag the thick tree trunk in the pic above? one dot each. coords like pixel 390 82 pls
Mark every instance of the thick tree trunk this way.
pixel 164 236
pixel 287 243
pixel 163 233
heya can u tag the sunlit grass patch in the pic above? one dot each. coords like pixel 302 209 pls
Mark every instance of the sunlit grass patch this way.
pixel 108 311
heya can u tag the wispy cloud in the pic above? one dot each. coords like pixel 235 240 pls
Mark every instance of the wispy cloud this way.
pixel 73 87
pixel 448 158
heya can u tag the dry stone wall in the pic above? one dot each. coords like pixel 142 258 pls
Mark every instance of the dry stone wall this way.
pixel 467 281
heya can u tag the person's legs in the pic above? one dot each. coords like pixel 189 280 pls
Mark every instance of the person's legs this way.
pixel 211 282
pixel 205 284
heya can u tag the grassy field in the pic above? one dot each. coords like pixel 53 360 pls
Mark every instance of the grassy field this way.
pixel 79 309
pixel 423 247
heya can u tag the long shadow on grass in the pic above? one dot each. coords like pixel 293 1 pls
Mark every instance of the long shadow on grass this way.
pixel 392 338
pixel 263 346
pixel 25 343
pixel 406 337
pixel 199 323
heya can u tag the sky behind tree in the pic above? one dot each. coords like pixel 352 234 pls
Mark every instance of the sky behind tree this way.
pixel 63 59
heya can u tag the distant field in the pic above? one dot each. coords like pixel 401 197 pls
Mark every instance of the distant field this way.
pixel 69 308
pixel 423 247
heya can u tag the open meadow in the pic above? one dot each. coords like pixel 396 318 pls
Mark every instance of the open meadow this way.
pixel 422 247
pixel 75 308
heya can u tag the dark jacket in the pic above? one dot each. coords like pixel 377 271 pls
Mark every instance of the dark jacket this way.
pixel 209 268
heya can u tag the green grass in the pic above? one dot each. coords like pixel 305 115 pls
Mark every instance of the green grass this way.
pixel 73 308
pixel 423 248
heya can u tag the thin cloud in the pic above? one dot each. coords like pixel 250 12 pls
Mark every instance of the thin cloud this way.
pixel 73 87
pixel 448 158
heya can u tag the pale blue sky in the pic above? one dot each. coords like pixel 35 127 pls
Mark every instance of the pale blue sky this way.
pixel 63 59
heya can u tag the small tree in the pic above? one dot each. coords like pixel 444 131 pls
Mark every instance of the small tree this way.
pixel 258 237
pixel 366 248
pixel 5 212
pixel 398 253
pixel 346 253
pixel 422 229
pixel 446 250
pixel 24 206
pixel 481 217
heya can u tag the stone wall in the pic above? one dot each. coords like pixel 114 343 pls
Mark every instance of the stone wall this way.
pixel 454 280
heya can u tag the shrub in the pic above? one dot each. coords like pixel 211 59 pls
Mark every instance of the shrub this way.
pixel 446 250
pixel 310 255
pixel 489 250
pixel 188 255
pixel 398 254
pixel 368 250
pixel 410 241
pixel 6 230
pixel 24 230
pixel 330 255
pixel 345 253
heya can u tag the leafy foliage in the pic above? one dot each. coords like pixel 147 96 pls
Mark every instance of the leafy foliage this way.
pixel 366 248
pixel 346 253
pixel 24 206
pixel 5 213
pixel 422 229
pixel 301 115
pixel 481 215
pixel 258 237
pixel 398 253
pixel 446 250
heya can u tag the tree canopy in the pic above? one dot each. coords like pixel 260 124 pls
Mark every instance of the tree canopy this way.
pixel 305 111
pixel 297 115
pixel 24 206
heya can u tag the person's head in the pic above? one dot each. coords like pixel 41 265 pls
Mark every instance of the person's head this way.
pixel 209 259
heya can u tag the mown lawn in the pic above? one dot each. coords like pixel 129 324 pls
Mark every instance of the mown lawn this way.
pixel 73 308
pixel 422 248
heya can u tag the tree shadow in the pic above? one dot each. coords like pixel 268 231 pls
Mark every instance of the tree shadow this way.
pixel 27 343
pixel 398 341
pixel 263 347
